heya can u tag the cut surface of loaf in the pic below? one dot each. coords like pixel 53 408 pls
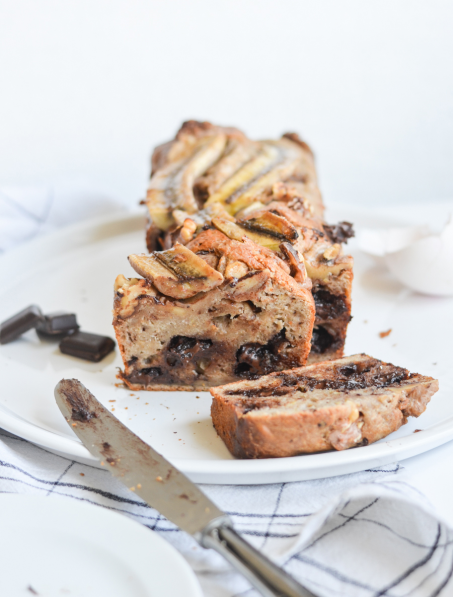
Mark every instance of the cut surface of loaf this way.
pixel 339 404
pixel 267 191
pixel 212 312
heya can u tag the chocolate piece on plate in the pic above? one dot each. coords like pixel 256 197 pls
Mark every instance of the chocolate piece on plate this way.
pixel 20 323
pixel 57 325
pixel 91 347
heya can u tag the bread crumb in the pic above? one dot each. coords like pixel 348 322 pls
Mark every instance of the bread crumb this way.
pixel 82 474
pixel 385 334
pixel 417 430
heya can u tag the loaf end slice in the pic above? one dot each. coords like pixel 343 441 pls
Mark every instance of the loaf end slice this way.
pixel 340 404
pixel 216 312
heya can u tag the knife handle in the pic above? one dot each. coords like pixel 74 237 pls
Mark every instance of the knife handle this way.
pixel 268 578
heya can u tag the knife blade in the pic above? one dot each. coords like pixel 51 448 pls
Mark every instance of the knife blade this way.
pixel 133 462
pixel 147 473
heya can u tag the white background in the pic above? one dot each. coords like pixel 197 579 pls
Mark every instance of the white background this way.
pixel 88 87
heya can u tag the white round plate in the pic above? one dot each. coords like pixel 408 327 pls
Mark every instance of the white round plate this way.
pixel 74 269
pixel 55 547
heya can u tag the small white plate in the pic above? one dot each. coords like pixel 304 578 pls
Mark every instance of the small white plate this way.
pixel 74 269
pixel 56 547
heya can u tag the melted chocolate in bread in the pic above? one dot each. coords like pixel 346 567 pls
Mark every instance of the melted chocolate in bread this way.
pixel 185 347
pixel 259 359
pixel 355 376
pixel 328 305
pixel 180 351
pixel 145 376
pixel 322 340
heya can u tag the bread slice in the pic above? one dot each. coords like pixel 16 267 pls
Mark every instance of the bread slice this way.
pixel 339 404
pixel 219 311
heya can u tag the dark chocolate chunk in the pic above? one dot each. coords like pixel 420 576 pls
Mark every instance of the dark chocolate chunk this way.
pixel 346 378
pixel 20 323
pixel 328 305
pixel 259 359
pixel 321 340
pixel 57 325
pixel 348 370
pixel 186 347
pixel 91 347
pixel 145 376
pixel 339 233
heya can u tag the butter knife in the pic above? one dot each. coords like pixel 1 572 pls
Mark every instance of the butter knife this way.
pixel 165 488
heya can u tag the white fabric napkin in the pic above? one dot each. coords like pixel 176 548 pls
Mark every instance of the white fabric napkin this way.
pixel 28 211
pixel 368 534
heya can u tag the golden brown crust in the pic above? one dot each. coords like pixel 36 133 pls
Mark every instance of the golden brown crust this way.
pixel 137 387
pixel 253 255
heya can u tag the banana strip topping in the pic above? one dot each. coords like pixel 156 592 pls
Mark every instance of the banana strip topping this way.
pixel 177 272
pixel 271 224
pixel 172 186
pixel 265 159
pixel 235 232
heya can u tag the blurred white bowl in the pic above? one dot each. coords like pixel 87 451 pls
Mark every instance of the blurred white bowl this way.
pixel 418 258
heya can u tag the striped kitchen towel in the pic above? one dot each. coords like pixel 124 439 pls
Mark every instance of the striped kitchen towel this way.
pixel 367 534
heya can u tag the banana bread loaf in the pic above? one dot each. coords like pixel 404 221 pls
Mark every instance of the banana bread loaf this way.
pixel 215 176
pixel 243 277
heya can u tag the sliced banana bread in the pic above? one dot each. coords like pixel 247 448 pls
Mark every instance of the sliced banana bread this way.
pixel 339 404
pixel 217 312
